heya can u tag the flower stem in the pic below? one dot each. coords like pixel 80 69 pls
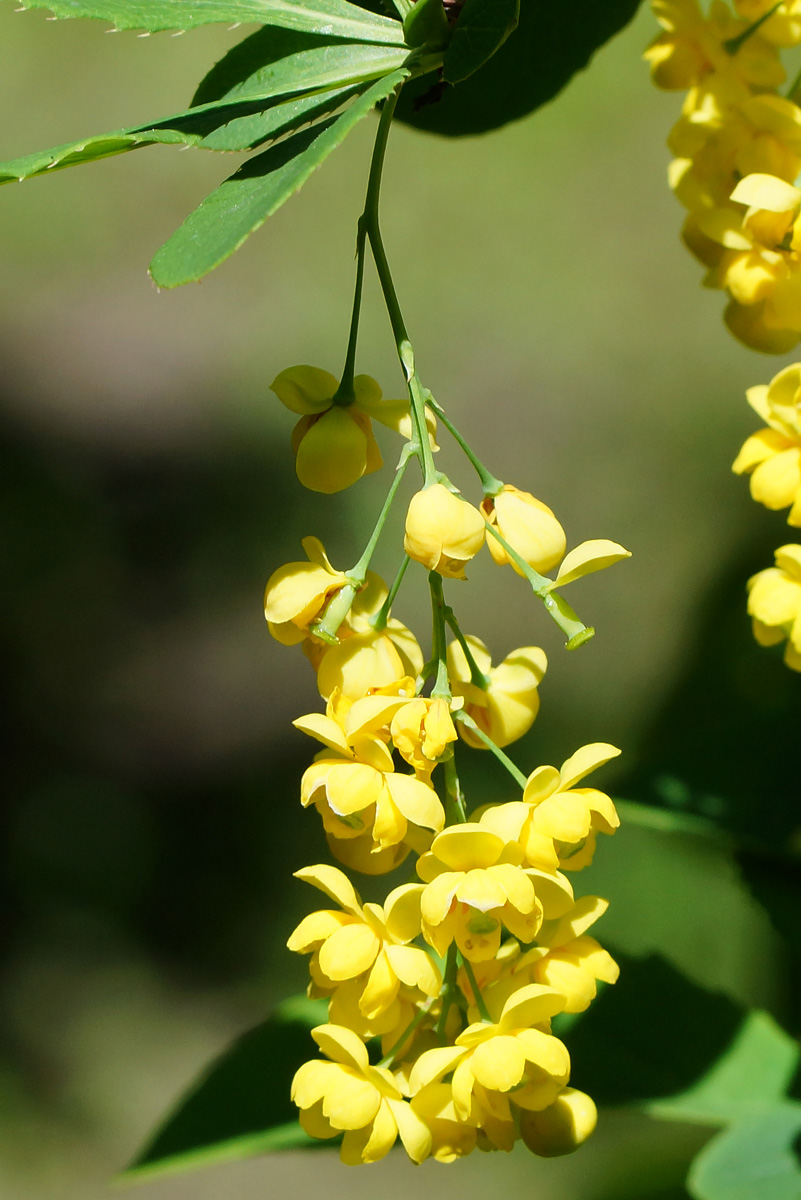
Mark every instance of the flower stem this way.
pixel 392 1053
pixel 464 719
pixel 455 813
pixel 379 621
pixel 442 684
pixel 345 393
pixel 474 988
pixel 559 610
pixel 477 676
pixel 490 485
pixel 448 990
pixel 732 45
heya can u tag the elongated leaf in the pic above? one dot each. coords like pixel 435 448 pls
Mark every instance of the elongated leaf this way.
pixel 482 28
pixel 279 62
pixel 752 1160
pixel 240 205
pixel 335 18
pixel 236 126
pixel 549 45
pixel 241 1105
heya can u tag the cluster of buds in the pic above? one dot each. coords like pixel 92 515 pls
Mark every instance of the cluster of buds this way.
pixel 737 148
pixel 440 999
pixel 772 457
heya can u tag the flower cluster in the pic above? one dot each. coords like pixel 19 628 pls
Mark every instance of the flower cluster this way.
pixel 737 148
pixel 440 999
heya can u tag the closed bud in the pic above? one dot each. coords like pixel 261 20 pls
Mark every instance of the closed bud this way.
pixel 562 1126
pixel 528 525
pixel 443 531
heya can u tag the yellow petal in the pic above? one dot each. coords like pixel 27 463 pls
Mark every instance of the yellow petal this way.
pixel 311 1082
pixel 756 449
pixel 433 1064
pixel 414 1133
pixel 463 847
pixel 530 1005
pixel 553 892
pixel 585 760
pixel 766 192
pixel 348 952
pixel 415 968
pixel 540 784
pixel 499 1063
pixel 314 929
pixel 305 389
pixel 352 1103
pixel 342 1045
pixel 417 801
pixel 296 591
pixel 381 987
pixel 437 897
pixel 352 787
pixel 402 910
pixel 333 452
pixel 588 557
pixel 584 914
pixel 328 732
pixel 776 482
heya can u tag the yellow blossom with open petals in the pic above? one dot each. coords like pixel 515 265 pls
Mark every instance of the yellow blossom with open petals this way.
pixel 773 455
pixel 570 815
pixel 474 885
pixel 506 707
pixel 354 943
pixel 774 604
pixel 516 1062
pixel 333 441
pixel 443 531
pixel 693 47
pixel 345 1094
pixel 528 525
pixel 782 26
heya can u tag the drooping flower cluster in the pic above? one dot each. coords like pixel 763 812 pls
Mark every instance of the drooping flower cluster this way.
pixel 440 1000
pixel 737 148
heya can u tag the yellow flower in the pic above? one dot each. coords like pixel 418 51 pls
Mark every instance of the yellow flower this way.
pixel 443 531
pixel 450 1137
pixel 356 944
pixel 528 525
pixel 334 443
pixel 774 603
pixel 297 593
pixel 348 1095
pixel 773 455
pixel 783 27
pixel 474 884
pixel 561 1127
pixel 570 815
pixel 567 959
pixel 515 1060
pixel 505 709
pixel 692 47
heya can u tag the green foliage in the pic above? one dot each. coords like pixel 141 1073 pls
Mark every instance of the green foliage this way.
pixel 337 18
pixel 482 28
pixel 754 1158
pixel 530 68
pixel 241 1105
pixel 240 205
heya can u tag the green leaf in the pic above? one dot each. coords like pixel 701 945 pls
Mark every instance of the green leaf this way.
pixel 236 126
pixel 239 206
pixel 752 1160
pixel 482 28
pixel 753 1074
pixel 241 1105
pixel 426 23
pixel 278 62
pixel 335 18
pixel 531 67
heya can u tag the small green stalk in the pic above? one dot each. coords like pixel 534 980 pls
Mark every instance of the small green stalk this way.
pixel 326 626
pixel 475 989
pixel 455 813
pixel 448 990
pixel 489 484
pixel 442 687
pixel 477 676
pixel 559 610
pixel 732 45
pixel 465 719
pixel 379 621
pixel 389 1058
pixel 345 394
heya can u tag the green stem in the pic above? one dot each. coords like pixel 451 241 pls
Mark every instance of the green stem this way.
pixel 442 685
pixel 379 621
pixel 465 719
pixel 345 393
pixel 559 610
pixel 794 87
pixel 490 485
pixel 402 342
pixel 326 626
pixel 455 813
pixel 448 990
pixel 732 45
pixel 477 676
pixel 474 988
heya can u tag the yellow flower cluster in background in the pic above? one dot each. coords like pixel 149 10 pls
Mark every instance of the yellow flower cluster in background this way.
pixel 440 999
pixel 737 148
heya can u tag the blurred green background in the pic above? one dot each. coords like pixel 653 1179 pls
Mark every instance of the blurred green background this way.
pixel 151 819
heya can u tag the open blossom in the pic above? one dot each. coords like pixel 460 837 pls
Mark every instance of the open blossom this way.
pixel 356 943
pixel 345 1094
pixel 506 706
pixel 773 455
pixel 692 48
pixel 297 593
pixel 570 815
pixel 774 603
pixel 528 525
pixel 333 442
pixel 443 531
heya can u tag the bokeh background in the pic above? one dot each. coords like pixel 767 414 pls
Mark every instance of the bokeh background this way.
pixel 150 821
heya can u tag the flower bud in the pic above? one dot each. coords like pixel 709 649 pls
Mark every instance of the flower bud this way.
pixel 443 531
pixel 562 1126
pixel 528 525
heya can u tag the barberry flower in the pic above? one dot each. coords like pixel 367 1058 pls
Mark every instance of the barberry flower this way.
pixel 572 816
pixel 506 708
pixel 347 1095
pixel 297 593
pixel 443 531
pixel 561 1127
pixel 528 525
pixel 774 603
pixel 333 442
pixel 773 455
